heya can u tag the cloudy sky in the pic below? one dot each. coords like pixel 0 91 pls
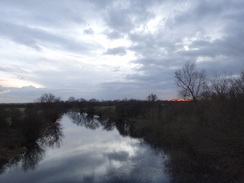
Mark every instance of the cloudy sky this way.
pixel 114 49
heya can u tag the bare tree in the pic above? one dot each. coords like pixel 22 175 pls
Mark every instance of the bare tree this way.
pixel 238 86
pixel 227 86
pixel 71 99
pixel 221 85
pixel 50 106
pixel 152 97
pixel 191 82
pixel 48 98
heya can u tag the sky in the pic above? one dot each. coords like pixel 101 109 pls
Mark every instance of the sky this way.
pixel 113 49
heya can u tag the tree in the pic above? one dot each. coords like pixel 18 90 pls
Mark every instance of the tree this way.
pixel 48 98
pixel 152 97
pixel 191 82
pixel 221 86
pixel 227 87
pixel 50 106
pixel 237 90
pixel 71 99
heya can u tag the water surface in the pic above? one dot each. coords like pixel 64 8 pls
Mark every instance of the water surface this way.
pixel 85 149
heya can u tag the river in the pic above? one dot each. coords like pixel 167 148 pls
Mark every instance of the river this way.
pixel 82 149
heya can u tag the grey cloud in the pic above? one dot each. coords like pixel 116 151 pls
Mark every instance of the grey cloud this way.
pixel 229 46
pixel 116 51
pixel 35 38
pixel 120 90
pixel 88 31
pixel 52 14
pixel 198 11
pixel 117 156
pixel 31 93
pixel 66 75
pixel 22 95
pixel 201 13
pixel 98 4
pixel 123 17
pixel 118 87
pixel 114 34
pixel 17 72
pixel 5 69
pixel 154 78
pixel 216 8
pixel 152 45
pixel 160 62
pixel 119 20
pixel 137 88
pixel 13 69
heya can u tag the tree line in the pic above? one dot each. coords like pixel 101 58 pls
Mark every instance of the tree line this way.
pixel 195 85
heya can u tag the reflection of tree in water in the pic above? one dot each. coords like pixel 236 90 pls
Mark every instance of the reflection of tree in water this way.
pixel 107 124
pixel 33 155
pixel 29 159
pixel 81 119
pixel 35 152
pixel 93 122
pixel 52 136
pixel 124 128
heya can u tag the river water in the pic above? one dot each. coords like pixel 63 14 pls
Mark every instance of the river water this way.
pixel 83 149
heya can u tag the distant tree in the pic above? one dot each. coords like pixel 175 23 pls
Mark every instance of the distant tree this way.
pixel 220 86
pixel 71 99
pixel 82 100
pixel 93 100
pixel 237 90
pixel 152 97
pixel 50 106
pixel 191 82
pixel 226 87
pixel 81 104
pixel 48 98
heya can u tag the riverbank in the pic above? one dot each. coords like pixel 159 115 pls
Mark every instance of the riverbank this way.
pixel 19 128
pixel 203 140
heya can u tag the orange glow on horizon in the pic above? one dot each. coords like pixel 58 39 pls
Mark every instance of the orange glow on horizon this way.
pixel 177 100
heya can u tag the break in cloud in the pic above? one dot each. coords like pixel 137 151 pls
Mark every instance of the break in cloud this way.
pixel 114 49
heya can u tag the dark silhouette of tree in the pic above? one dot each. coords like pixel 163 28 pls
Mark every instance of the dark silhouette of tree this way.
pixel 32 157
pixel 50 106
pixel 48 98
pixel 52 136
pixel 71 99
pixel 152 97
pixel 90 106
pixel 192 83
pixel 226 87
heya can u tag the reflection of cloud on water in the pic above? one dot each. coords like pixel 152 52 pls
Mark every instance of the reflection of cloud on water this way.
pixel 105 157
pixel 117 156
pixel 96 156
pixel 143 167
